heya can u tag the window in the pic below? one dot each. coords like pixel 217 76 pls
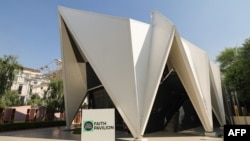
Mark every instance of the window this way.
pixel 20 89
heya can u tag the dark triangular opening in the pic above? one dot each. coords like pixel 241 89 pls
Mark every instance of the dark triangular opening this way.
pixel 172 109
pixel 92 79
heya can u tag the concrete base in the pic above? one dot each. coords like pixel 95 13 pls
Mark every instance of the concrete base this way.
pixel 67 128
pixel 143 139
pixel 211 134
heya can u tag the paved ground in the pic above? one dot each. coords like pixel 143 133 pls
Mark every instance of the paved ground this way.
pixel 59 134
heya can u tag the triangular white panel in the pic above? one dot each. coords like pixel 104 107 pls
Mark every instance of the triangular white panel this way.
pixel 216 91
pixel 181 60
pixel 75 84
pixel 200 63
pixel 162 37
pixel 140 37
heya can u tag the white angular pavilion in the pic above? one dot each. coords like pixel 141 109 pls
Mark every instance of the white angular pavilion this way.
pixel 129 58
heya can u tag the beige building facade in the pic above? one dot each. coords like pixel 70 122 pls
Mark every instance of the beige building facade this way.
pixel 30 81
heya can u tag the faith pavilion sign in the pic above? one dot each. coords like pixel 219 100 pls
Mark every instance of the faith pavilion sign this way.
pixel 98 124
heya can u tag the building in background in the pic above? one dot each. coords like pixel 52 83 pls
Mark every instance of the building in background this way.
pixel 30 81
pixel 35 81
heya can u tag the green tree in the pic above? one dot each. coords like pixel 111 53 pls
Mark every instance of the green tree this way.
pixel 226 58
pixel 54 96
pixel 235 67
pixel 243 72
pixel 8 67
pixel 35 100
pixel 10 98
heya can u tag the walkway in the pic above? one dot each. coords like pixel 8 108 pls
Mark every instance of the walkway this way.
pixel 59 134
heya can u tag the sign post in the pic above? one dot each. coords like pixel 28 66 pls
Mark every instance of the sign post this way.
pixel 98 124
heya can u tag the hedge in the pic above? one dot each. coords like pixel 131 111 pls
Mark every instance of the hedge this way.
pixel 29 125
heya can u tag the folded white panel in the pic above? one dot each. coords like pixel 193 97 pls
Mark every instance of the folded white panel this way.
pixel 181 59
pixel 161 40
pixel 216 91
pixel 140 37
pixel 200 62
pixel 129 58
pixel 106 43
pixel 74 77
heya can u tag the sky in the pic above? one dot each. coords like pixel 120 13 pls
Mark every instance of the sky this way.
pixel 29 29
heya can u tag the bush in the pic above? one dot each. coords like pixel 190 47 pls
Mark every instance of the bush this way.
pixel 29 125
